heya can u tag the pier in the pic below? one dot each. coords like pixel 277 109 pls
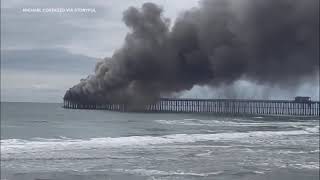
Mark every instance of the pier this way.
pixel 297 107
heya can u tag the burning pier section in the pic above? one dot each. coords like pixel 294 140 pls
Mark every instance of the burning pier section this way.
pixel 301 106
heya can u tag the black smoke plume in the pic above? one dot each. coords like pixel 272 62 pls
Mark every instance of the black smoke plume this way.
pixel 219 42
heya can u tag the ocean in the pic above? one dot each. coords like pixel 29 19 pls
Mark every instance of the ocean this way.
pixel 43 141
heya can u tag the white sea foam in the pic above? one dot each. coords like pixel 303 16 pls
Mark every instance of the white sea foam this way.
pixel 197 122
pixel 179 122
pixel 258 117
pixel 313 165
pixel 190 119
pixel 215 123
pixel 315 151
pixel 18 145
pixel 313 129
pixel 206 154
pixel 150 172
pixel 258 172
pixel 292 152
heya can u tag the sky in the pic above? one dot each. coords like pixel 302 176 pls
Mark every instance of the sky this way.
pixel 43 54
pixel 35 47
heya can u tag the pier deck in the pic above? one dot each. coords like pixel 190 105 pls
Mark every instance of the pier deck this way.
pixel 218 106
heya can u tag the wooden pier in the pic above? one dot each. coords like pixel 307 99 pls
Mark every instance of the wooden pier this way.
pixel 217 106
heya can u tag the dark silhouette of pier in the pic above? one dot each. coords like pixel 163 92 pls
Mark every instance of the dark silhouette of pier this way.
pixel 301 106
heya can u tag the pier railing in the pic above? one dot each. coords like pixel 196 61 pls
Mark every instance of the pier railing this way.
pixel 218 106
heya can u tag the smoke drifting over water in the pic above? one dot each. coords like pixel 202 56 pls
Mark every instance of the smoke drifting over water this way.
pixel 267 41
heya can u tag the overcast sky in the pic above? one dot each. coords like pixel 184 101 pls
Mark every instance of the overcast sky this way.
pixel 36 48
pixel 93 34
pixel 28 40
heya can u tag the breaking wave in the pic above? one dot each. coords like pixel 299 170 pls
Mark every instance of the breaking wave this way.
pixel 236 122
pixel 37 144
pixel 312 129
pixel 150 172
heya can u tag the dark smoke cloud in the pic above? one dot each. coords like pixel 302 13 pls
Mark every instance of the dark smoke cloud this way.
pixel 265 41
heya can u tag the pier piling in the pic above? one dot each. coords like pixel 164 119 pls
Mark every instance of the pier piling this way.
pixel 217 106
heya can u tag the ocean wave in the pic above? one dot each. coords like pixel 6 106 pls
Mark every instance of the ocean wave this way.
pixel 150 172
pixel 293 152
pixel 311 165
pixel 258 117
pixel 205 154
pixel 314 129
pixel 234 123
pixel 19 145
pixel 187 122
pixel 315 151
pixel 58 138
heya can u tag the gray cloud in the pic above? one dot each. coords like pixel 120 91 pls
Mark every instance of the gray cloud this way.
pixel 46 61
pixel 33 30
pixel 94 34
pixel 40 75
